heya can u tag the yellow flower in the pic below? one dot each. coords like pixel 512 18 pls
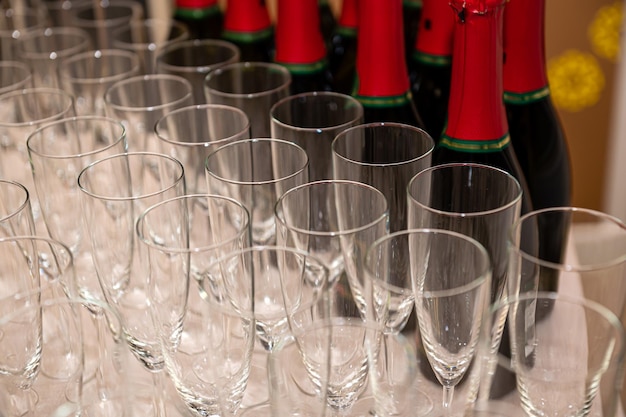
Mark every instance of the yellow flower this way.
pixel 604 31
pixel 576 80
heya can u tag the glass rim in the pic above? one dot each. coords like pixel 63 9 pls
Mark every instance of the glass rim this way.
pixel 567 267
pixel 383 216
pixel 149 23
pixel 14 66
pixel 34 91
pixel 95 164
pixel 111 122
pixel 46 32
pixel 198 107
pixel 98 23
pixel 99 54
pixel 412 200
pixel 344 134
pixel 339 97
pixel 196 43
pixel 23 205
pixel 481 276
pixel 268 66
pixel 234 238
pixel 170 78
pixel 286 143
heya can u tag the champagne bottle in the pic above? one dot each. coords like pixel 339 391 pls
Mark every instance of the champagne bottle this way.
pixel 342 54
pixel 247 24
pixel 430 65
pixel 300 46
pixel 477 128
pixel 382 82
pixel 411 12
pixel 203 18
pixel 536 132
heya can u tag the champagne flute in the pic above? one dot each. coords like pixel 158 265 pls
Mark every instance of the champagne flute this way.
pixel 16 215
pixel 451 299
pixel 14 75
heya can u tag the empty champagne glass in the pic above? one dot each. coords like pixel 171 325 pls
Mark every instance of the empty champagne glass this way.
pixel 43 49
pixel 15 22
pixel 58 152
pixel 254 87
pixel 190 134
pixel 14 75
pixel 562 349
pixel 89 74
pixel 312 120
pixel 336 221
pixel 257 172
pixel 139 102
pixel 193 59
pixel 181 238
pixel 147 37
pixel 451 299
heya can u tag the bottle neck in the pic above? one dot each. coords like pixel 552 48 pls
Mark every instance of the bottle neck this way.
pixel 525 77
pixel 382 77
pixel 246 20
pixel 476 115
pixel 348 19
pixel 433 45
pixel 299 41
pixel 196 5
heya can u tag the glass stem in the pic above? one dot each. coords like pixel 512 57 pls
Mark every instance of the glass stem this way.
pixel 448 393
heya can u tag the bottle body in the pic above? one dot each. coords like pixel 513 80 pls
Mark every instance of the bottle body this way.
pixel 203 18
pixel 382 81
pixel 536 132
pixel 247 24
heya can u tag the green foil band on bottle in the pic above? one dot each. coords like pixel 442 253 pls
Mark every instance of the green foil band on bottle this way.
pixel 311 68
pixel 382 102
pixel 247 37
pixel 197 14
pixel 433 60
pixel 416 4
pixel 475 146
pixel 525 98
pixel 346 31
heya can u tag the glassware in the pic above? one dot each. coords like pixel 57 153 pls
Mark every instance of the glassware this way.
pixel 253 87
pixel 385 156
pixel 190 134
pixel 585 249
pixel 193 59
pixel 43 49
pixel 58 152
pixel 14 75
pixel 451 299
pixel 139 102
pixel 14 23
pixel 312 120
pixel 257 172
pixel 89 74
pixel 147 37
pixel 206 343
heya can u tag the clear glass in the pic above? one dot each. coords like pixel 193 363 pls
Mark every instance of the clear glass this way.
pixel 147 38
pixel 585 251
pixel 564 347
pixel 88 75
pixel 190 134
pixel 451 299
pixel 254 87
pixel 58 152
pixel 14 23
pixel 385 156
pixel 14 75
pixel 140 102
pixel 312 120
pixel 257 172
pixel 43 49
pixel 206 345
pixel 193 59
